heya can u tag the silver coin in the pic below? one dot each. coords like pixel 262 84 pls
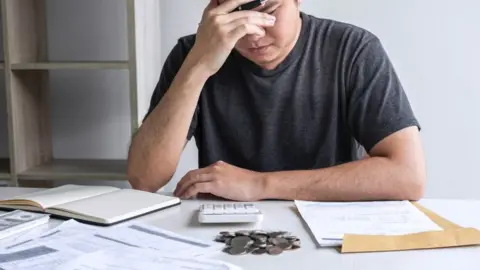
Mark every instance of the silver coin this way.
pixel 259 251
pixel 242 233
pixel 291 238
pixel 237 251
pixel 226 233
pixel 296 244
pixel 263 245
pixel 274 250
pixel 279 234
pixel 281 243
pixel 241 241
pixel 220 238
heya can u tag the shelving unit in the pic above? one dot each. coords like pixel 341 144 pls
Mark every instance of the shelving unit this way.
pixel 26 68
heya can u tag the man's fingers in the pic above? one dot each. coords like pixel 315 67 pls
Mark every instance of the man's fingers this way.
pixel 195 189
pixel 247 14
pixel 260 21
pixel 191 178
pixel 246 29
pixel 229 6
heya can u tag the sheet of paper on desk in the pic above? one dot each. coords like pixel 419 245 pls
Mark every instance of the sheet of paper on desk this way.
pixel 24 236
pixel 36 258
pixel 330 221
pixel 65 230
pixel 148 236
pixel 141 259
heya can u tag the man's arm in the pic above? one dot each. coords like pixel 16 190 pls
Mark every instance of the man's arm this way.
pixel 395 170
pixel 158 144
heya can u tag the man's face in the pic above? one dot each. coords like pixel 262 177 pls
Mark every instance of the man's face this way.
pixel 278 40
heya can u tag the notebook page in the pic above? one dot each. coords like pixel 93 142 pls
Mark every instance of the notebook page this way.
pixel 64 194
pixel 114 206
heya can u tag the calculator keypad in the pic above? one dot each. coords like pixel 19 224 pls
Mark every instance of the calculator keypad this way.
pixel 229 209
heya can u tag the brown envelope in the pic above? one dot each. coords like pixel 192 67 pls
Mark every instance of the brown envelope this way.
pixel 452 236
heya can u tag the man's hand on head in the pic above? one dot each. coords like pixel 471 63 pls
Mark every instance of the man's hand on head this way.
pixel 222 180
pixel 221 28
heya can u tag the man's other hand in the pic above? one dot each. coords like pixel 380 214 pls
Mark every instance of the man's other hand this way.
pixel 222 180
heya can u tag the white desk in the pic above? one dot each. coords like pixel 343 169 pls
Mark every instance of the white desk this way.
pixel 281 215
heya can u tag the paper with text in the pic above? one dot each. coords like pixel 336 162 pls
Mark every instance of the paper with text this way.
pixel 25 236
pixel 147 236
pixel 36 258
pixel 330 221
pixel 142 259
pixel 66 230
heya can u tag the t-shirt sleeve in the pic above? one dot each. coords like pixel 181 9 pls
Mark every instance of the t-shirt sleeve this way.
pixel 170 68
pixel 378 105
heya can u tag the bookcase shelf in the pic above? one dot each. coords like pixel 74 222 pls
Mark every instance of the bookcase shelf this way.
pixel 66 169
pixel 27 67
pixel 5 169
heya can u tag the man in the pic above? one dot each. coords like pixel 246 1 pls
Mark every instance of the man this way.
pixel 276 100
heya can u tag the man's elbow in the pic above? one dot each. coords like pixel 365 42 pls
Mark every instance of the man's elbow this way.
pixel 150 180
pixel 414 186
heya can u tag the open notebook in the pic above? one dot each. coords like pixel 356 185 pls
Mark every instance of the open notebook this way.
pixel 100 205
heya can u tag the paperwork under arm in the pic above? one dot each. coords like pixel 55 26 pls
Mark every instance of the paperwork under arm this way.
pixel 382 226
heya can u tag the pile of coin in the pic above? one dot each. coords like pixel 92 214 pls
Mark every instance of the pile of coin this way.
pixel 257 242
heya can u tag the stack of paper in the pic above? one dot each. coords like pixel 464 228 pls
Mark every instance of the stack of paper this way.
pixel 329 222
pixel 74 245
pixel 20 221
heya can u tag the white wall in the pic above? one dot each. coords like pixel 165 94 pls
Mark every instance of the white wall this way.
pixel 90 109
pixel 90 116
pixel 434 46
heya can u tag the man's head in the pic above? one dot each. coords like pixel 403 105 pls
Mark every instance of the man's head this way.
pixel 268 51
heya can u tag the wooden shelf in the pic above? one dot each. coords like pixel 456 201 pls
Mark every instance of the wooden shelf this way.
pixel 68 169
pixel 4 169
pixel 27 84
pixel 70 65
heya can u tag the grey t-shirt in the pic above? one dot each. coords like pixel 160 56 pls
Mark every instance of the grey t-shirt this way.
pixel 337 87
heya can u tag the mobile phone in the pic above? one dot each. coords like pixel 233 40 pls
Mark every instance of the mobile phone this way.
pixel 251 5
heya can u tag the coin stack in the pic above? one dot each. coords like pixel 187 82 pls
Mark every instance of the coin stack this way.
pixel 257 242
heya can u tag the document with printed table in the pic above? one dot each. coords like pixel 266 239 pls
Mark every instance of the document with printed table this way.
pixel 99 205
pixel 382 226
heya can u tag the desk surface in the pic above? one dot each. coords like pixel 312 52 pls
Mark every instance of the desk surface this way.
pixel 282 216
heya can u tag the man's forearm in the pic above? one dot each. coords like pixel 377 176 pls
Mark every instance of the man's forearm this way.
pixel 156 148
pixel 375 178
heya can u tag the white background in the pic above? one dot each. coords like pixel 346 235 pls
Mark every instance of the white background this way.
pixel 434 46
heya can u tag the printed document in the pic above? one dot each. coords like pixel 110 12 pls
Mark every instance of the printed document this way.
pixel 129 258
pixel 148 236
pixel 65 231
pixel 36 258
pixel 330 221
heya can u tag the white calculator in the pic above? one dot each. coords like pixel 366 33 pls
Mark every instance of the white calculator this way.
pixel 229 213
